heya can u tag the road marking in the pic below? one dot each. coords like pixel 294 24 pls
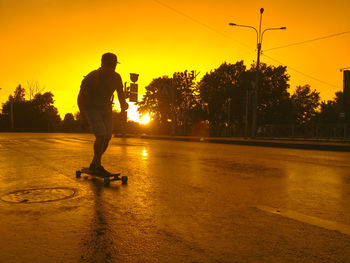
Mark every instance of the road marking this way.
pixel 330 225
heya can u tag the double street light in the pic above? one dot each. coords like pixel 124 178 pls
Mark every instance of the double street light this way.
pixel 259 38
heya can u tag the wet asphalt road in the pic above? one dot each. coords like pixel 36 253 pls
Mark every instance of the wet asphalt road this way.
pixel 184 202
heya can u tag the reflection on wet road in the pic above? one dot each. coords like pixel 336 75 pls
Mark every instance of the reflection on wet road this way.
pixel 184 202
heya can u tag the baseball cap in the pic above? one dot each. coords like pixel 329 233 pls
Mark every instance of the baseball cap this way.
pixel 108 58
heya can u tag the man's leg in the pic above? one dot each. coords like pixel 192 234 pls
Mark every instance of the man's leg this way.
pixel 96 122
pixel 108 124
pixel 100 146
pixel 99 149
pixel 102 127
pixel 105 144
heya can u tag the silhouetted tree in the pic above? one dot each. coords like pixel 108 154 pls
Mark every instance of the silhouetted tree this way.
pixel 171 99
pixel 222 94
pixel 157 99
pixel 183 103
pixel 305 103
pixel 36 114
pixel 34 88
pixel 223 97
pixel 330 110
pixel 19 94
pixel 274 104
pixel 47 114
pixel 69 124
pixel 21 109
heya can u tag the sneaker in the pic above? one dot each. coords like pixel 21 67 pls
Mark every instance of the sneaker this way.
pixel 92 167
pixel 101 170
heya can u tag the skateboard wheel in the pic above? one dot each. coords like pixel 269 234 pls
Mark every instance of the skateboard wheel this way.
pixel 124 179
pixel 77 174
pixel 106 181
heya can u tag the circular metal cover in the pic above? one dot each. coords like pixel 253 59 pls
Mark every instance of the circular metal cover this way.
pixel 39 195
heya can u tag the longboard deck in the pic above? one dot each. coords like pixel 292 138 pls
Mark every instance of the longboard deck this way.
pixel 86 170
pixel 107 178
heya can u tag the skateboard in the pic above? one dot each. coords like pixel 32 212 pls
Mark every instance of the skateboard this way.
pixel 107 178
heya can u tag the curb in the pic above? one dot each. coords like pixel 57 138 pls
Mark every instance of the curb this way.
pixel 304 145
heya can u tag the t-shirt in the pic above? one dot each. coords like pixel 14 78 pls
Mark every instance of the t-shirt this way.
pixel 97 88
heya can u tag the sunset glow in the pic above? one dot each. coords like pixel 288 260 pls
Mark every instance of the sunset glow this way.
pixel 133 114
pixel 57 42
pixel 145 119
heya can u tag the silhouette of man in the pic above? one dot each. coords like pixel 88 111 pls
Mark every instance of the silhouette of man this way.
pixel 95 103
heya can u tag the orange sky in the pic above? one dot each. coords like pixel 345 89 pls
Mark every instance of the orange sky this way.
pixel 57 42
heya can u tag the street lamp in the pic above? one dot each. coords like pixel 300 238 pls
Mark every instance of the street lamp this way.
pixel 259 37
pixel 341 70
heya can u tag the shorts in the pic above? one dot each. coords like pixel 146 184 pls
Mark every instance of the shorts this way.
pixel 100 121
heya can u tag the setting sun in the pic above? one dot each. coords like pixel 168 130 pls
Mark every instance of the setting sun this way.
pixel 133 114
pixel 145 119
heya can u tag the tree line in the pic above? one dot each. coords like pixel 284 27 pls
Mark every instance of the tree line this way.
pixel 38 114
pixel 220 104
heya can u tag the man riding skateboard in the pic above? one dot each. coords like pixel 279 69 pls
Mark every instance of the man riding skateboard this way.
pixel 95 101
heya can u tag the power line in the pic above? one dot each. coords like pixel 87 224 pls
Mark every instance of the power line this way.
pixel 302 73
pixel 201 23
pixel 308 41
pixel 245 45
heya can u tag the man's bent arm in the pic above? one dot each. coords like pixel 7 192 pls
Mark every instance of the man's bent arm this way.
pixel 121 96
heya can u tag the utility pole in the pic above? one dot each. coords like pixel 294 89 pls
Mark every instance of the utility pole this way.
pixel 254 93
pixel 255 90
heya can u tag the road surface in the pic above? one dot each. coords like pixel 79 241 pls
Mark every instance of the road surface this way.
pixel 184 202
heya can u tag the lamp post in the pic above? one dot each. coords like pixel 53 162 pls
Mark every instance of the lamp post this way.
pixel 259 38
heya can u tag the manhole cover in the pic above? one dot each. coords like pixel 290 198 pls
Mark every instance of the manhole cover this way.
pixel 39 195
